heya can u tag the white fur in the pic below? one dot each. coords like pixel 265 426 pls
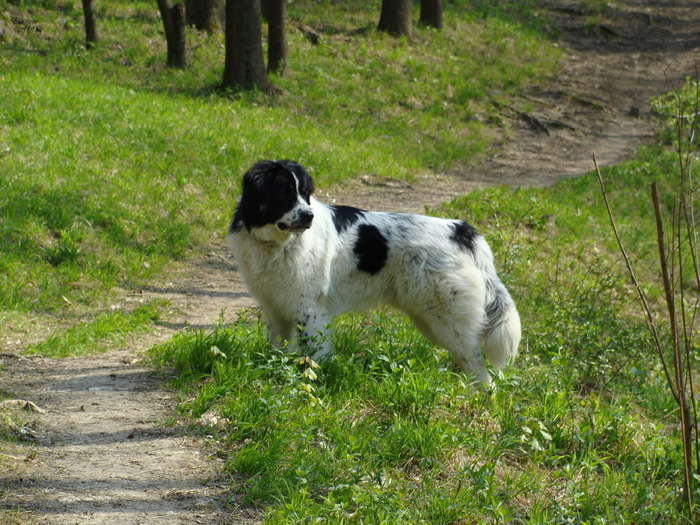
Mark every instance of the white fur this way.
pixel 302 278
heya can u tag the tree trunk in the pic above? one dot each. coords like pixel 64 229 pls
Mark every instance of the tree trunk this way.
pixel 277 37
pixel 177 57
pixel 174 27
pixel 90 24
pixel 396 17
pixel 206 15
pixel 244 66
pixel 431 13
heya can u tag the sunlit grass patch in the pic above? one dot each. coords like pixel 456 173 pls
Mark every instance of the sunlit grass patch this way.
pixel 388 430
pixel 101 333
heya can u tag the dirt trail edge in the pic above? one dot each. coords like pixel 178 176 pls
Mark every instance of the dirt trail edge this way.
pixel 101 452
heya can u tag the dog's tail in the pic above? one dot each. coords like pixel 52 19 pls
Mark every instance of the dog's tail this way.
pixel 502 332
pixel 501 335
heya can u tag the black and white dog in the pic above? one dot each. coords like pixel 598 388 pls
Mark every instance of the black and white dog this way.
pixel 306 262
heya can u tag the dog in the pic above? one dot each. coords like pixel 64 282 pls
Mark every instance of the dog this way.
pixel 306 262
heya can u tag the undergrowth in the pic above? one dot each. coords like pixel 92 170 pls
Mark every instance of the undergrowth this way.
pixel 578 430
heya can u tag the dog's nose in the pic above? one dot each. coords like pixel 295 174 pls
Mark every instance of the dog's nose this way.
pixel 305 219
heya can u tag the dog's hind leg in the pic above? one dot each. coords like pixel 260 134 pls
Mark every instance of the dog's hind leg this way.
pixel 453 316
pixel 460 337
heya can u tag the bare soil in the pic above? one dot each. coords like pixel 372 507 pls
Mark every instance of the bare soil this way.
pixel 106 449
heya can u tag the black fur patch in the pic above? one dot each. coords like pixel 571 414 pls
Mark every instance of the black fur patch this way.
pixel 345 216
pixel 371 249
pixel 236 223
pixel 463 235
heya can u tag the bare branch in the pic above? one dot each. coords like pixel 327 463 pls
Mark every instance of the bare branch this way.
pixel 640 295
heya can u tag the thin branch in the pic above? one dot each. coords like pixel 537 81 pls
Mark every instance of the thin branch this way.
pixel 640 295
pixel 685 150
pixel 684 409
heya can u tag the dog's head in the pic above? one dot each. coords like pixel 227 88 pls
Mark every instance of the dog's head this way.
pixel 276 194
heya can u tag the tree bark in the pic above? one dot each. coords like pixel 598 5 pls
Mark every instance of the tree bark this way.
pixel 277 37
pixel 206 15
pixel 91 37
pixel 174 27
pixel 431 13
pixel 177 57
pixel 396 17
pixel 244 66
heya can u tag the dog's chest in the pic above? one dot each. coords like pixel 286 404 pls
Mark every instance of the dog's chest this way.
pixel 275 267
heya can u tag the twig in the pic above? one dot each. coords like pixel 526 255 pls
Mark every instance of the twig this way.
pixel 21 403
pixel 640 295
pixel 686 425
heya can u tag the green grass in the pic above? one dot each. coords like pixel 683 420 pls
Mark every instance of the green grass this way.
pixel 116 167
pixel 582 429
pixel 389 432
pixel 100 332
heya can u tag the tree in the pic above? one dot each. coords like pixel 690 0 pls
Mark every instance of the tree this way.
pixel 396 17
pixel 174 26
pixel 90 24
pixel 244 66
pixel 206 15
pixel 277 37
pixel 431 13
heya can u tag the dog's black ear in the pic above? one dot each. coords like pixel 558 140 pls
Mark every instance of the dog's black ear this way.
pixel 251 206
pixel 257 176
pixel 306 183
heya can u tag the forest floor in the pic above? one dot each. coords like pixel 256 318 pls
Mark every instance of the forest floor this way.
pixel 104 449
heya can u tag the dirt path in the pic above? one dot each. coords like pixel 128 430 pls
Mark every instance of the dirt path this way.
pixel 102 453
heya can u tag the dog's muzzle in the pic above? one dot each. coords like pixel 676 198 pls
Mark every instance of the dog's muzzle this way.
pixel 302 221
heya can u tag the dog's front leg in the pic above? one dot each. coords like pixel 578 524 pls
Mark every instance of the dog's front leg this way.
pixel 280 332
pixel 313 334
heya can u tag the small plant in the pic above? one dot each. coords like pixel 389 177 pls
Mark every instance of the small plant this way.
pixel 64 250
pixel 679 266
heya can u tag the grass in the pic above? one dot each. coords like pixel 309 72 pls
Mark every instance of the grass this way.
pixel 389 432
pixel 116 167
pixel 582 429
pixel 14 454
pixel 99 333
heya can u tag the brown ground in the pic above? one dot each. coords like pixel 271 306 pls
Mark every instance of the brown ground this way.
pixel 102 453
